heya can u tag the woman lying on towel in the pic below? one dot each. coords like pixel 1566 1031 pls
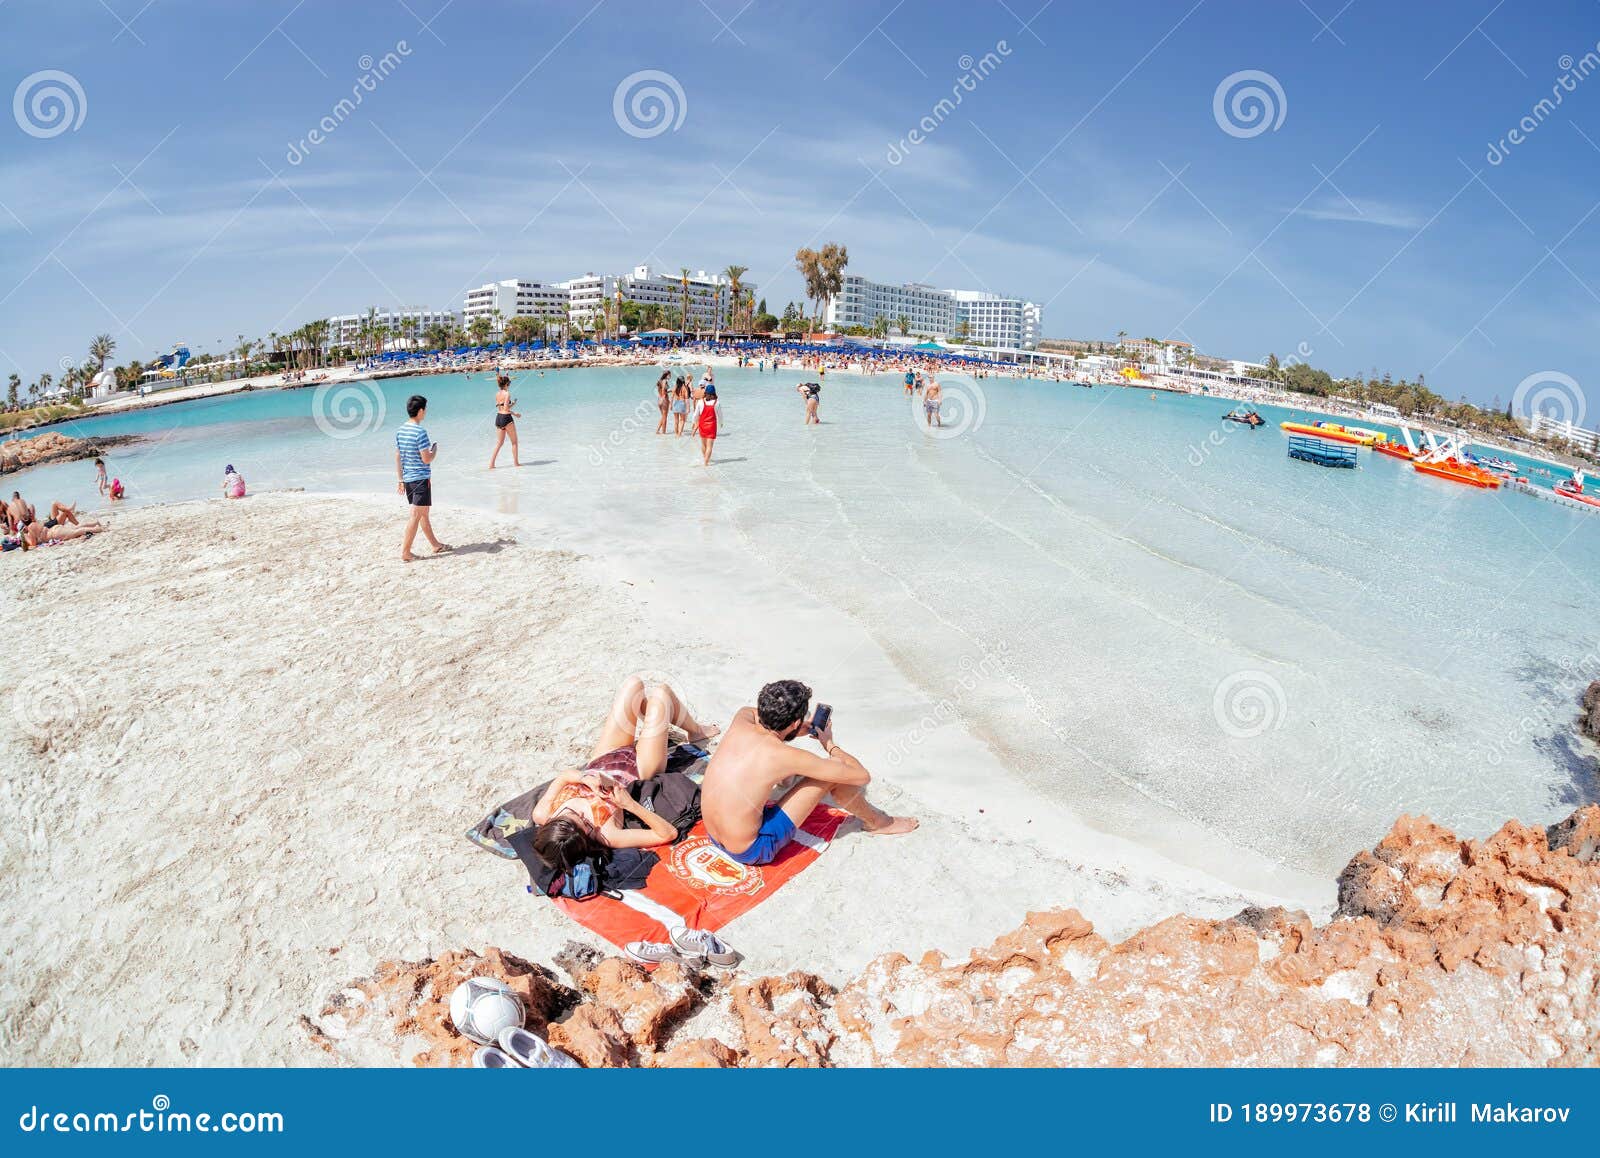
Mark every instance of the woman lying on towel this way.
pixel 582 812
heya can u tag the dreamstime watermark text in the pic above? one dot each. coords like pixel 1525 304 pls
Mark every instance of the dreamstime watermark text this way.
pixel 159 1118
pixel 973 73
pixel 1573 73
pixel 373 73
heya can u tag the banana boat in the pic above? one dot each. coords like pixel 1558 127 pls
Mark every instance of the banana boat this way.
pixel 1338 433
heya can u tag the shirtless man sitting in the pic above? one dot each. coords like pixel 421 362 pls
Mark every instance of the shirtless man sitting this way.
pixel 755 757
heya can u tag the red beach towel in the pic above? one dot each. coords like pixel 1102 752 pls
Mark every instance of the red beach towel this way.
pixel 698 885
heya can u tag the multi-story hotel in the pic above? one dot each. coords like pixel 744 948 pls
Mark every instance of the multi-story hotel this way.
pixel 406 328
pixel 992 320
pixel 710 295
pixel 513 298
pixel 930 312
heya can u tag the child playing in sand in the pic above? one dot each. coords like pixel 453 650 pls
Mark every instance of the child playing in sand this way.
pixel 232 483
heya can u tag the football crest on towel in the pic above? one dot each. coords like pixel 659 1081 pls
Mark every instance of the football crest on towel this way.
pixel 700 864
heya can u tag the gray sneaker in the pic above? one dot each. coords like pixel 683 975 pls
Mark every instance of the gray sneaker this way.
pixel 700 944
pixel 655 952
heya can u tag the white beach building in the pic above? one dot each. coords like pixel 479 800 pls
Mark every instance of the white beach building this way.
pixel 930 312
pixel 710 295
pixel 993 320
pixel 406 326
pixel 499 301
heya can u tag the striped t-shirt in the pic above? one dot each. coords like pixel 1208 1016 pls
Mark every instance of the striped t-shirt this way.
pixel 411 440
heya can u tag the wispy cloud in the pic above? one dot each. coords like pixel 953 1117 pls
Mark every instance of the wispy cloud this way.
pixel 1361 211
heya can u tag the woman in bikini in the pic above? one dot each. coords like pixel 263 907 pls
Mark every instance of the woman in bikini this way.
pixel 663 399
pixel 680 406
pixel 581 813
pixel 505 421
pixel 811 392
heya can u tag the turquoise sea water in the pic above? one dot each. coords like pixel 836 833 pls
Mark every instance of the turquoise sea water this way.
pixel 1155 617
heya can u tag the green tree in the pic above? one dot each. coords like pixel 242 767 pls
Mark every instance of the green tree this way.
pixel 13 387
pixel 903 324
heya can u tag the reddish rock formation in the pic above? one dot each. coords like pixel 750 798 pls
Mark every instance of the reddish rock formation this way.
pixel 1443 952
pixel 1589 718
pixel 21 453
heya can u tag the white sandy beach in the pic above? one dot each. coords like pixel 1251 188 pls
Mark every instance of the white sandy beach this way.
pixel 245 742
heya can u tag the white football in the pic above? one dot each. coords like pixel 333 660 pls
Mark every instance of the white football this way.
pixel 481 1007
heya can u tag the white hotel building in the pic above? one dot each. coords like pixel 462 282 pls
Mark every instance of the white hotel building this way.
pixel 710 295
pixel 500 301
pixel 407 328
pixel 930 312
pixel 992 320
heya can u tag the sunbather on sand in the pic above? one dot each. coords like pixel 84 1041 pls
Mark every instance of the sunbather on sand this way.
pixel 755 757
pixel 581 813
pixel 37 533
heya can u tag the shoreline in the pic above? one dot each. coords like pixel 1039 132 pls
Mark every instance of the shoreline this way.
pixel 1166 384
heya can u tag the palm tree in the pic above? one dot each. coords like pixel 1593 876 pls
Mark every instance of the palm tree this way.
pixel 733 273
pixel 101 348
pixel 683 279
pixel 903 324
pixel 13 386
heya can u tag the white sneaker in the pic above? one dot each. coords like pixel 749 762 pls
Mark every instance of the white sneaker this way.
pixel 531 1051
pixel 489 1058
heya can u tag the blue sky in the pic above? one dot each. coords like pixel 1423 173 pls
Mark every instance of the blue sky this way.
pixel 1088 170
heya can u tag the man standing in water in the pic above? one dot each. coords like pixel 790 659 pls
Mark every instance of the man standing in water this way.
pixel 414 453
pixel 755 757
pixel 930 402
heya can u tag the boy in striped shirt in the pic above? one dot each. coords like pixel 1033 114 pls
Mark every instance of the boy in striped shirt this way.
pixel 414 453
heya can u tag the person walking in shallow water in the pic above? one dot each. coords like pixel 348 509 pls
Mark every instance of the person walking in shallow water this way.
pixel 680 406
pixel 931 397
pixel 708 424
pixel 414 453
pixel 663 399
pixel 505 421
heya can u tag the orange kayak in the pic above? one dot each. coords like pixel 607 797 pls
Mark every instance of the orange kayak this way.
pixel 1462 472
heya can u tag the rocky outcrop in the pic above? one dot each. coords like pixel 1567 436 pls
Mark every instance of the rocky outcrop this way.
pixel 1589 717
pixel 1443 951
pixel 21 453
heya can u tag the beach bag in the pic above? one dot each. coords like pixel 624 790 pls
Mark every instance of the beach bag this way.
pixel 582 883
pixel 673 796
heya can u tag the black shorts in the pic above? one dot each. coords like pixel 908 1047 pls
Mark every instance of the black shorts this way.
pixel 501 421
pixel 48 523
pixel 420 493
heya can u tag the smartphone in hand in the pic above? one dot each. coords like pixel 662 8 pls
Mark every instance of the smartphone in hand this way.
pixel 820 719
